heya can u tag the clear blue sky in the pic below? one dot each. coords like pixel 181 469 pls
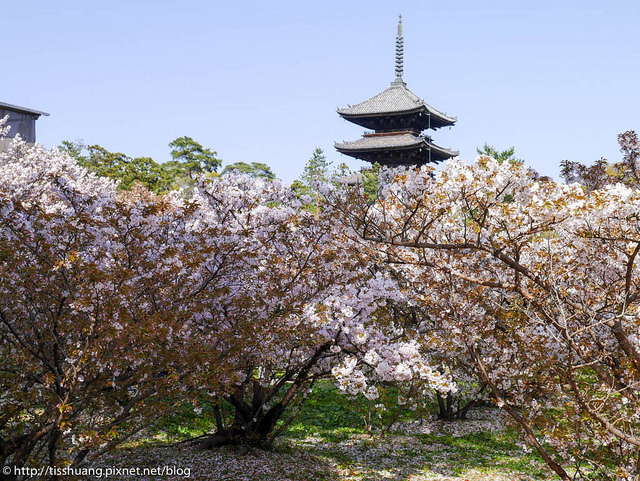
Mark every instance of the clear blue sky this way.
pixel 261 80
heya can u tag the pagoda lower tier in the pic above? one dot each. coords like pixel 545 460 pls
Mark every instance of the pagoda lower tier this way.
pixel 395 149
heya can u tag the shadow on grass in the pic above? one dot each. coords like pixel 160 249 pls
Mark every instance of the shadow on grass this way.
pixel 330 427
pixel 400 457
pixel 328 441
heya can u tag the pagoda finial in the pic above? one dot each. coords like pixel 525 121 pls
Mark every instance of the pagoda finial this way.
pixel 399 52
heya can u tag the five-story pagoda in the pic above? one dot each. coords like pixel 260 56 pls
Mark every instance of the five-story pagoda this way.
pixel 397 117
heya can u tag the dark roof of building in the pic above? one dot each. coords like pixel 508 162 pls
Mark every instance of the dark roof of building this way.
pixel 392 142
pixel 397 99
pixel 16 108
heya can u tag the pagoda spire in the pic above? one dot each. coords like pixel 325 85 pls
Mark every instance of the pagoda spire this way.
pixel 396 119
pixel 399 52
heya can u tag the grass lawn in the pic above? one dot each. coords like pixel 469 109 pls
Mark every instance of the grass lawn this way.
pixel 329 442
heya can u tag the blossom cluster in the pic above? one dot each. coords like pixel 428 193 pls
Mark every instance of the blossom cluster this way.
pixel 527 285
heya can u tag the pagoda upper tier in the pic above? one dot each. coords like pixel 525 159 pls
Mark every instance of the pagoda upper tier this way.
pixel 396 108
pixel 397 116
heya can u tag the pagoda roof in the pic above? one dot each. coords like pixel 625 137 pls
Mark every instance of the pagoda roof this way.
pixel 396 100
pixel 379 143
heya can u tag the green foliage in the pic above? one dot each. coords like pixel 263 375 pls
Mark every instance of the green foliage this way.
pixel 189 158
pixel 340 172
pixel 185 423
pixel 316 170
pixel 188 155
pixel 370 181
pixel 327 410
pixel 74 149
pixel 119 166
pixel 254 169
pixel 298 187
pixel 507 155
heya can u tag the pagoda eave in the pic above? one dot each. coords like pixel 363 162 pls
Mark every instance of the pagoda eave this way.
pixel 419 119
pixel 399 151
pixel 396 101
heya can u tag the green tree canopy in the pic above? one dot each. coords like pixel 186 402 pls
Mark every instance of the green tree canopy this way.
pixel 189 155
pixel 119 166
pixel 254 169
pixel 370 181
pixel 316 170
pixel 507 155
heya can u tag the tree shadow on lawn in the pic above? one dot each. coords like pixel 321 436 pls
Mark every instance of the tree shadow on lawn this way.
pixel 400 457
pixel 479 447
pixel 347 456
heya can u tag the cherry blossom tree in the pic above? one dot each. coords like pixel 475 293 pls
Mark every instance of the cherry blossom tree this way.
pixel 535 285
pixel 298 301
pixel 88 288
pixel 603 173
pixel 115 306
